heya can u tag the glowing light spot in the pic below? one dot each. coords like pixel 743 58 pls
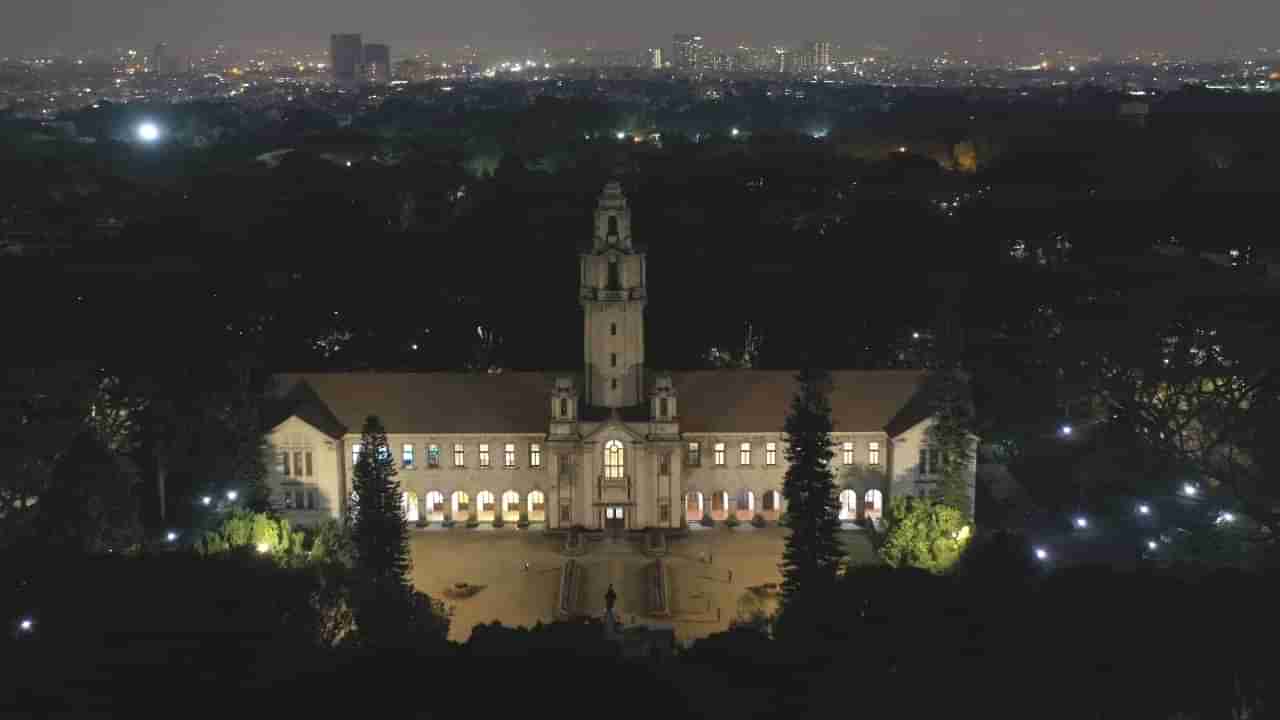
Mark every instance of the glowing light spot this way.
pixel 148 132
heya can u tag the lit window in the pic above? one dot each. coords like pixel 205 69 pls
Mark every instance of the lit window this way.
pixel 509 455
pixel 695 454
pixel 406 455
pixel 613 459
pixel 355 454
pixel 284 464
pixel 459 455
pixel 873 453
pixel 484 501
pixel 435 501
pixel 771 453
pixel 846 455
pixel 744 454
pixel 308 458
pixel 719 454
pixel 433 456
pixel 535 455
pixel 484 455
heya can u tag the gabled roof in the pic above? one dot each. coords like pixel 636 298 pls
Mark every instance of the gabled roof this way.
pixel 709 401
pixel 759 400
pixel 301 401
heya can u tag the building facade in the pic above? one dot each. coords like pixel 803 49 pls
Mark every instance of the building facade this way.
pixel 346 53
pixel 613 446
pixel 377 63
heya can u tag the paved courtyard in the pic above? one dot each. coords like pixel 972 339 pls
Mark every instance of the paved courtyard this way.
pixel 710 570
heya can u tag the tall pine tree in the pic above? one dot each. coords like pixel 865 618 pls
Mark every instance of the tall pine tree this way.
pixel 380 542
pixel 951 438
pixel 812 554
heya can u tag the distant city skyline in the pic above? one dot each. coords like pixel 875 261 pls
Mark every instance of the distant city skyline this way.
pixel 519 27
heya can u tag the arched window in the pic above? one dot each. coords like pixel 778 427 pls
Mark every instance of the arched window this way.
pixel 771 501
pixel 511 506
pixel 693 506
pixel 461 502
pixel 537 503
pixel 484 501
pixel 873 504
pixel 409 504
pixel 435 501
pixel 848 505
pixel 613 459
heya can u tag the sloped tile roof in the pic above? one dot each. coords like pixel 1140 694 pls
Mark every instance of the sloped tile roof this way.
pixel 758 400
pixel 728 401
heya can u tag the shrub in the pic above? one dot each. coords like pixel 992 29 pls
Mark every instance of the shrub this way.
pixel 732 520
pixel 758 521
pixel 473 523
pixel 707 521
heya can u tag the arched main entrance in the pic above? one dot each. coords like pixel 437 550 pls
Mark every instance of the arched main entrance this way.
pixel 484 506
pixel 511 506
pixel 873 504
pixel 409 505
pixel 460 504
pixel 693 507
pixel 537 506
pixel 435 506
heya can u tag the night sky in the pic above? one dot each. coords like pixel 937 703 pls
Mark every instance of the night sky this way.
pixel 1185 26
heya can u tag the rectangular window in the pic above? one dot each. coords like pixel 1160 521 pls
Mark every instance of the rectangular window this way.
pixel 484 455
pixel 284 464
pixel 355 453
pixel 406 455
pixel 459 455
pixel 433 456
pixel 695 454
pixel 664 409
pixel 535 455
pixel 744 454
pixel 613 359
pixel 846 454
pixel 311 499
pixel 873 453
pixel 297 464
pixel 566 514
pixel 664 512
pixel 719 454
pixel 929 461
pixel 771 453
pixel 509 455
pixel 308 457
pixel 664 464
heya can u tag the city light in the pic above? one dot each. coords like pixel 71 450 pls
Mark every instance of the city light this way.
pixel 232 495
pixel 1081 522
pixel 1226 517
pixel 1144 509
pixel 26 625
pixel 1152 544
pixel 1042 554
pixel 148 132
pixel 1065 430
pixel 206 500
pixel 1189 490
pixel 171 536
pixel 734 132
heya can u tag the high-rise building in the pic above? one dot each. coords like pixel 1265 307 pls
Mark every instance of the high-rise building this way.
pixel 377 63
pixel 160 60
pixel 820 55
pixel 655 58
pixel 686 51
pixel 345 55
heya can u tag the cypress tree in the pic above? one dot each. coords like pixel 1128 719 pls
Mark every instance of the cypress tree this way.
pixel 380 541
pixel 812 554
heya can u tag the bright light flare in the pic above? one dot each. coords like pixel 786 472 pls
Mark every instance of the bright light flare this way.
pixel 1226 517
pixel 1152 544
pixel 1041 553
pixel 232 495
pixel 1082 522
pixel 1066 430
pixel 26 625
pixel 1144 509
pixel 171 536
pixel 263 548
pixel 148 132
pixel 734 132
pixel 1189 490
pixel 206 501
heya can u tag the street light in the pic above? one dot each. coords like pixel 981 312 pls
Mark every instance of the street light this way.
pixel 26 624
pixel 148 132
pixel 1189 490
pixel 171 536
pixel 620 135
pixel 1152 544
pixel 1082 522
pixel 734 132
pixel 1065 431
pixel 206 500
pixel 1144 509
pixel 232 495
pixel 1226 517
pixel 1042 554
pixel 263 548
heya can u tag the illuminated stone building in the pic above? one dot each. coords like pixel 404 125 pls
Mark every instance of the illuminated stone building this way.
pixel 615 445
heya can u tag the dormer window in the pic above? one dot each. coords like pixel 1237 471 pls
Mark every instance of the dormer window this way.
pixel 664 408
pixel 613 227
pixel 564 407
